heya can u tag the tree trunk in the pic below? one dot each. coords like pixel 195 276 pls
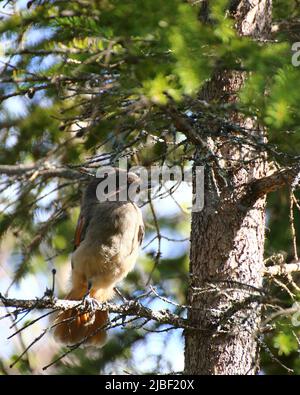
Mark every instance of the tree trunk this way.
pixel 227 236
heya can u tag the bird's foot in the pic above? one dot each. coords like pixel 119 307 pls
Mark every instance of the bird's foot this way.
pixel 90 304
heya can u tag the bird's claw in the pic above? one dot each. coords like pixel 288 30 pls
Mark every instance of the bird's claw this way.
pixel 90 304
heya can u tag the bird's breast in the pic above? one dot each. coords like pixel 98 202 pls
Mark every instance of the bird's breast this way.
pixel 110 247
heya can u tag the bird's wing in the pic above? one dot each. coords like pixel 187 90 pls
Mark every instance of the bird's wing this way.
pixel 80 231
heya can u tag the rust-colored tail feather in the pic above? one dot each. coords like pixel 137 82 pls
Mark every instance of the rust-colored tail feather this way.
pixel 73 326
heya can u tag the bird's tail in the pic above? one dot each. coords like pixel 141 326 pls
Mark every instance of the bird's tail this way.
pixel 73 326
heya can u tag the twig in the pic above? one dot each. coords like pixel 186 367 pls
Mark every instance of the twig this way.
pixel 281 312
pixel 159 237
pixel 292 225
pixel 32 322
pixel 42 170
pixel 167 300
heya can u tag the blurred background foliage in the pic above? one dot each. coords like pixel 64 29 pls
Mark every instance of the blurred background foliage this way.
pixel 85 83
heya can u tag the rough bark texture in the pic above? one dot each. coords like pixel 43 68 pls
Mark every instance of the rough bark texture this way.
pixel 227 238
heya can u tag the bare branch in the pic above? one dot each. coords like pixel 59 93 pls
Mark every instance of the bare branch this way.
pixel 279 179
pixel 292 224
pixel 130 308
pixel 284 269
pixel 46 170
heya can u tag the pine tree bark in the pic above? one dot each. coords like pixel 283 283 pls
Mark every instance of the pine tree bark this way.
pixel 227 236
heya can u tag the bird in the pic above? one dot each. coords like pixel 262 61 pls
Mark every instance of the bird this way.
pixel 106 245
